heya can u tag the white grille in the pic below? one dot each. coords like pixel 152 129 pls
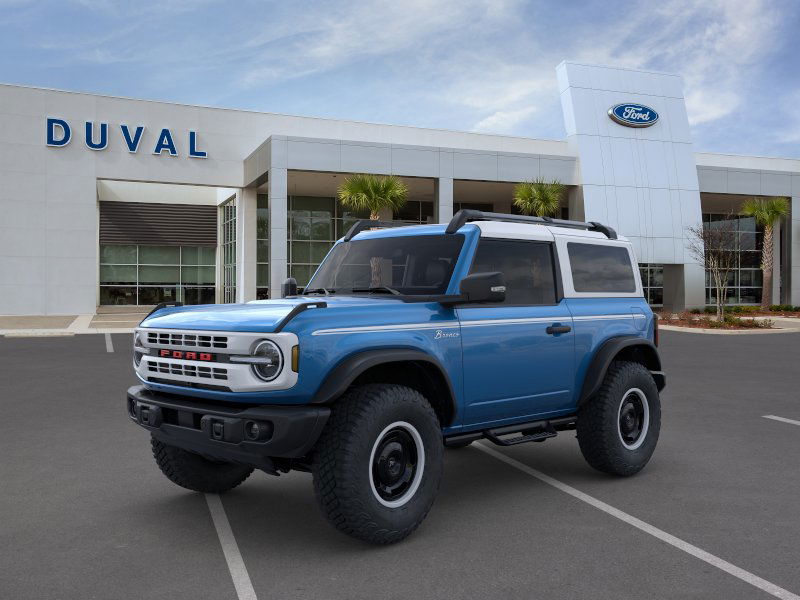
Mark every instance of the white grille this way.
pixel 184 370
pixel 186 340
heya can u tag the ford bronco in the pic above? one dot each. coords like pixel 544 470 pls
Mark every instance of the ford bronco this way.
pixel 406 341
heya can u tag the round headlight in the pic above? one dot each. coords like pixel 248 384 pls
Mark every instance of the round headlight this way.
pixel 270 368
pixel 137 343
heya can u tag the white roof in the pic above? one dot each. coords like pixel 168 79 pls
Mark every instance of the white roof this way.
pixel 534 231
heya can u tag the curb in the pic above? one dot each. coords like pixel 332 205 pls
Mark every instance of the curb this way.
pixel 724 331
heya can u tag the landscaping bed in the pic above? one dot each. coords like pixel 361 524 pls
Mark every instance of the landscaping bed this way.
pixel 776 310
pixel 703 321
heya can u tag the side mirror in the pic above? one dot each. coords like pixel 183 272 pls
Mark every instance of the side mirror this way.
pixel 289 287
pixel 483 287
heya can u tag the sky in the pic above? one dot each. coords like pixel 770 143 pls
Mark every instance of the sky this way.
pixel 471 65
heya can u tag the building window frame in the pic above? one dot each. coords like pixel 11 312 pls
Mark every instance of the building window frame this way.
pixel 186 289
pixel 227 236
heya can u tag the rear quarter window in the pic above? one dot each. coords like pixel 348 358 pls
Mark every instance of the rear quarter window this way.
pixel 602 269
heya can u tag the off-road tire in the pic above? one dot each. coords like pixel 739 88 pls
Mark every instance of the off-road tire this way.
pixel 597 427
pixel 342 467
pixel 193 472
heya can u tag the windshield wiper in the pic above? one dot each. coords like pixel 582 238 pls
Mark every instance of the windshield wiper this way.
pixel 319 290
pixel 378 289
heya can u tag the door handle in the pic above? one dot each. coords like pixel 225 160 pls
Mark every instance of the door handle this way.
pixel 554 329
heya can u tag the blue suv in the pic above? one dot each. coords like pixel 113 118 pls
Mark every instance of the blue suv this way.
pixel 407 341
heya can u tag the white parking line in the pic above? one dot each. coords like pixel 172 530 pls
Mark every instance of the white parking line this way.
pixel 109 343
pixel 678 543
pixel 241 580
pixel 782 419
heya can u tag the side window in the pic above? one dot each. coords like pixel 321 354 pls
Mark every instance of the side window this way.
pixel 526 266
pixel 600 268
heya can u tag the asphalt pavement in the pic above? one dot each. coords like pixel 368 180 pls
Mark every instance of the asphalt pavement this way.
pixel 85 512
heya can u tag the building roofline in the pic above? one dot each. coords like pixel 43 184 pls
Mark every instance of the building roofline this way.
pixel 277 114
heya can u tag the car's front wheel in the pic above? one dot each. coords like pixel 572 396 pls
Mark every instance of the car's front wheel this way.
pixel 378 464
pixel 618 427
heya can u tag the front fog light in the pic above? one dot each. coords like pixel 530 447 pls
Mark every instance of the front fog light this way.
pixel 271 363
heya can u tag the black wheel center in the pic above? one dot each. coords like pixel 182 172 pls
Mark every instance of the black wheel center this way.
pixel 394 464
pixel 631 418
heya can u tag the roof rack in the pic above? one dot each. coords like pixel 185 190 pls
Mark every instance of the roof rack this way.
pixel 363 224
pixel 466 215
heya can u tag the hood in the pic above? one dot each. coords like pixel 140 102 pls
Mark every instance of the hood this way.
pixel 259 316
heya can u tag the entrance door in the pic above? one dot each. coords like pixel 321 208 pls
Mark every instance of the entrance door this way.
pixel 519 355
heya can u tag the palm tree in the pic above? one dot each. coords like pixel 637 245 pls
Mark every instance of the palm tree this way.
pixel 539 197
pixel 766 211
pixel 373 193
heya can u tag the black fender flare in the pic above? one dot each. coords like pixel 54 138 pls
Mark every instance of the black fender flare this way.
pixel 345 373
pixel 608 352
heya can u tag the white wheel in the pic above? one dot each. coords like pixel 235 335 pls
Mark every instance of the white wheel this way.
pixel 396 464
pixel 633 418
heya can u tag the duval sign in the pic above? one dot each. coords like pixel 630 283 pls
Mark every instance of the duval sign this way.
pixel 633 115
pixel 59 134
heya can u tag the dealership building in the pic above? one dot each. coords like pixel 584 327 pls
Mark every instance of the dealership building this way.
pixel 113 201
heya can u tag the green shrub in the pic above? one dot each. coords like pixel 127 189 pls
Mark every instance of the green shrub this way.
pixel 695 311
pixel 710 310
pixel 783 308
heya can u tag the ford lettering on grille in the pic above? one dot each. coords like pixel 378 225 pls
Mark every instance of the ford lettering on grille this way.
pixel 186 355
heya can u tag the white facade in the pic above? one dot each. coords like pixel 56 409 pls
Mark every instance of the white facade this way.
pixel 645 182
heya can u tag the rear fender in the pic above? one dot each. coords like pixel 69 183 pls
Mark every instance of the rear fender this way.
pixel 632 348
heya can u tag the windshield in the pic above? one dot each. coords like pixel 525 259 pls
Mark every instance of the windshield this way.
pixel 408 265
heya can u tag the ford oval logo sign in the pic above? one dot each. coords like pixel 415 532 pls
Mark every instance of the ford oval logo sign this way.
pixel 633 115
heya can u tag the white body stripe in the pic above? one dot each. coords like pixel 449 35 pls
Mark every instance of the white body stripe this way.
pixel 473 323
pixel 377 328
pixel 485 322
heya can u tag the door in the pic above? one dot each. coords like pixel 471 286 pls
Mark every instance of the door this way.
pixel 518 355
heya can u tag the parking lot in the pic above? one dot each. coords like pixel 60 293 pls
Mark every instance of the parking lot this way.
pixel 87 514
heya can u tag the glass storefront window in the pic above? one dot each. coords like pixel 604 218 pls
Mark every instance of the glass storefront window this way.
pixel 141 275
pixel 315 223
pixel 262 247
pixel 652 275
pixel 745 280
pixel 227 234
pixel 414 211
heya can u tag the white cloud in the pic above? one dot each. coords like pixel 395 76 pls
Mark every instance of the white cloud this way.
pixel 504 121
pixel 319 41
pixel 714 45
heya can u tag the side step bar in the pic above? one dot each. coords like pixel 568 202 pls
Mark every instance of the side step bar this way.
pixel 533 431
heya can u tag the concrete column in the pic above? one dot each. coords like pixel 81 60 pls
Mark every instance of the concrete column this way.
pixel 278 229
pixel 684 287
pixel 793 268
pixel 246 244
pixel 443 194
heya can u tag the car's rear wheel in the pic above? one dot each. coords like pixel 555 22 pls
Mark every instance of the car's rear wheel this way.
pixel 378 464
pixel 618 427
pixel 194 472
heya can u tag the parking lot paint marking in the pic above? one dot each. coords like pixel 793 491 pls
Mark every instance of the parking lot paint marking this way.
pixel 782 419
pixel 241 580
pixel 109 343
pixel 731 569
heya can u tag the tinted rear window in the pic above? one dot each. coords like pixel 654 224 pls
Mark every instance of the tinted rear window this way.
pixel 602 269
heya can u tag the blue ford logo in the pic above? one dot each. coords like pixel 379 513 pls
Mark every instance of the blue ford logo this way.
pixel 633 115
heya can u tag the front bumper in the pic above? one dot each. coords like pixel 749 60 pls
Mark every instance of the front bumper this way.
pixel 225 432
